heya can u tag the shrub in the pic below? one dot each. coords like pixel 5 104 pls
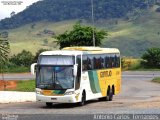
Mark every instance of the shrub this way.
pixel 25 58
pixel 151 58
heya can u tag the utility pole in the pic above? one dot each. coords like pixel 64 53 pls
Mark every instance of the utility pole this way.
pixel 93 37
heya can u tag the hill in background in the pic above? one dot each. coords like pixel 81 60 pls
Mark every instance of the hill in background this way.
pixel 134 36
pixel 133 25
pixel 59 10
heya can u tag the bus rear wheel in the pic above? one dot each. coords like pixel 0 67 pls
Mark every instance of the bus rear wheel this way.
pixel 49 104
pixel 109 96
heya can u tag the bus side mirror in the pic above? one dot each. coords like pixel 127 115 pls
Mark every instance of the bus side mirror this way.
pixel 33 68
pixel 75 70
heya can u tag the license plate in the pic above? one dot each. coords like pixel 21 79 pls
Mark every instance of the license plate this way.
pixel 53 98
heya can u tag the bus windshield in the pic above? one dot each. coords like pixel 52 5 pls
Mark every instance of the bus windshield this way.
pixel 55 77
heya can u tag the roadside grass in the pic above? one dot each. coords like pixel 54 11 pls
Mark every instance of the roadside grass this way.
pixel 130 63
pixel 134 64
pixel 157 80
pixel 25 86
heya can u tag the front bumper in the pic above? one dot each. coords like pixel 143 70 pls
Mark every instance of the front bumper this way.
pixel 57 99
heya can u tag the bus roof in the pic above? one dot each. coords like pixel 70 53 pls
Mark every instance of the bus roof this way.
pixel 93 49
pixel 81 50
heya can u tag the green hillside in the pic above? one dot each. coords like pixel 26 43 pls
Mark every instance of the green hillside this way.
pixel 33 38
pixel 132 35
pixel 60 10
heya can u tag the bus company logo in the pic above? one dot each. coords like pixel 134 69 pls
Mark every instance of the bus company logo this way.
pixel 106 74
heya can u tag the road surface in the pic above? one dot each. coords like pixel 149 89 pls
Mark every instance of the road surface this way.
pixel 17 76
pixel 138 96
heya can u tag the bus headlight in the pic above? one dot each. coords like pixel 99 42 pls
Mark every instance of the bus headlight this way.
pixel 38 91
pixel 69 93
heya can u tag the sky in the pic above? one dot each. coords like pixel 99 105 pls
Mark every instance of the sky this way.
pixel 8 6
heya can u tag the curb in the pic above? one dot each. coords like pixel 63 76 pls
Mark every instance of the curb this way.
pixel 12 97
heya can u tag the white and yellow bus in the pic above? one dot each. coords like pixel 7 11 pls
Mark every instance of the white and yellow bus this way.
pixel 77 74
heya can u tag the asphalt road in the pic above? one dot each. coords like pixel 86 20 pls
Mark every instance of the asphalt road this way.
pixel 17 76
pixel 138 96
pixel 143 75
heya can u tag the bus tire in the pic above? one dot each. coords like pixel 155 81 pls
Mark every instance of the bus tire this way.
pixel 109 96
pixel 49 104
pixel 83 99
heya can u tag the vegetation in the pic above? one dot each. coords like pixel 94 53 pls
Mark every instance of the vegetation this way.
pixel 58 10
pixel 4 51
pixel 132 34
pixel 130 63
pixel 157 80
pixel 24 86
pixel 132 37
pixel 4 48
pixel 135 64
pixel 26 38
pixel 81 36
pixel 152 58
pixel 25 58
pixel 22 61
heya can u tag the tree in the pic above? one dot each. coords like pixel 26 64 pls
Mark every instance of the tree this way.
pixel 152 58
pixel 4 52
pixel 25 58
pixel 4 49
pixel 81 36
pixel 12 13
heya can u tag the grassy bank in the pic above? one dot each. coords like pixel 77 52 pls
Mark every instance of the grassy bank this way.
pixel 22 85
pixel 26 86
pixel 157 80
pixel 134 64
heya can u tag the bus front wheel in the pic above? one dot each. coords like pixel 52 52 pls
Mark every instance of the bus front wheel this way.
pixel 83 99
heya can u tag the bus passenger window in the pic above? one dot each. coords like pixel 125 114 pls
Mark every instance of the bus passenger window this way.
pixel 110 62
pixel 84 66
pixel 102 61
pixel 89 65
pixel 94 61
pixel 113 61
pixel 97 62
pixel 107 61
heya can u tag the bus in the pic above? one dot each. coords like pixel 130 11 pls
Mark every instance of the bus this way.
pixel 77 74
